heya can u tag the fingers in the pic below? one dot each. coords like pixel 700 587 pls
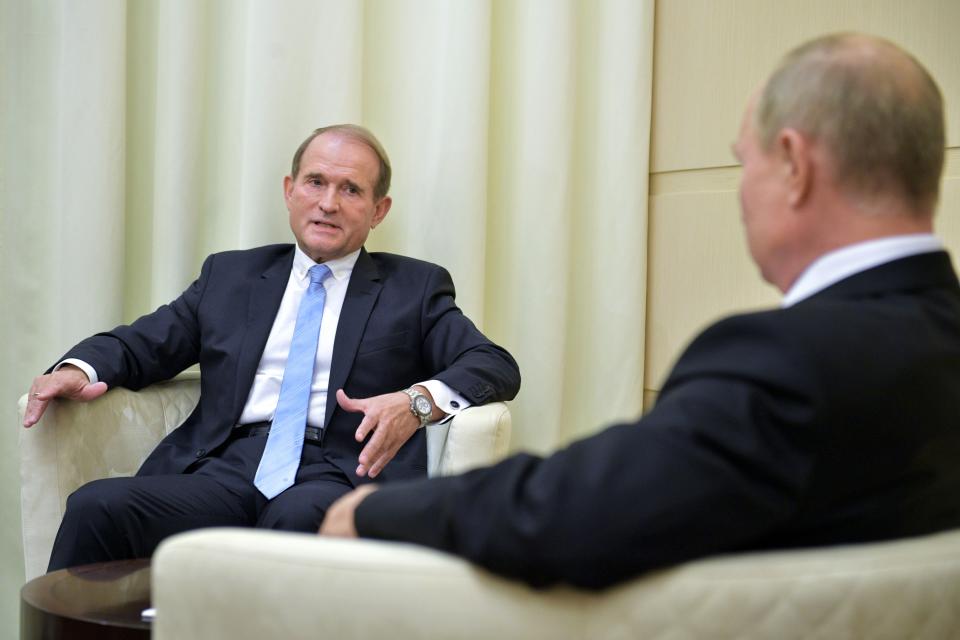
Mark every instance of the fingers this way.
pixel 370 452
pixel 339 520
pixel 350 404
pixel 371 409
pixel 36 405
pixel 381 449
pixel 367 425
pixel 380 464
pixel 369 422
pixel 64 383
pixel 44 389
pixel 92 391
pixel 387 422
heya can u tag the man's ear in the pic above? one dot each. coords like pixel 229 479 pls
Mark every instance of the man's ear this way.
pixel 798 169
pixel 380 211
pixel 287 187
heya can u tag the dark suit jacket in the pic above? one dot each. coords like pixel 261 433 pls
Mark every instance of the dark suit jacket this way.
pixel 399 325
pixel 836 420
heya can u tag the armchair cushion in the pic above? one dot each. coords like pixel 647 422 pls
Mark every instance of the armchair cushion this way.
pixel 239 584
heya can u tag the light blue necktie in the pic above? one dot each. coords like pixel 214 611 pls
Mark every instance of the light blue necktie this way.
pixel 281 455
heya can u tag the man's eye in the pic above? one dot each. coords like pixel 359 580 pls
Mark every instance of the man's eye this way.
pixel 352 190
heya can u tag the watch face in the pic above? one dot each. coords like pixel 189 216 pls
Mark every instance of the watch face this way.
pixel 422 405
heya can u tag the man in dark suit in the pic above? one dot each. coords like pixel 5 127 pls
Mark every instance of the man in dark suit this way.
pixel 349 352
pixel 833 419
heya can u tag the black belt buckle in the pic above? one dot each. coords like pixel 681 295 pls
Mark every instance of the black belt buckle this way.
pixel 313 435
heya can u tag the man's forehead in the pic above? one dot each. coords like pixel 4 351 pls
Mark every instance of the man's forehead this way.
pixel 341 143
pixel 341 152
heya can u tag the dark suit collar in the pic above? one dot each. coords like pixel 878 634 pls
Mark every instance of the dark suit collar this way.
pixel 365 271
pixel 921 271
pixel 280 266
pixel 361 296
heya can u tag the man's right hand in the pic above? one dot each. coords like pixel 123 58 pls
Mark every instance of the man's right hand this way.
pixel 66 382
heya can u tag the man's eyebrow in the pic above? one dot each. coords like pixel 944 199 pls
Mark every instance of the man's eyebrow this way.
pixel 314 175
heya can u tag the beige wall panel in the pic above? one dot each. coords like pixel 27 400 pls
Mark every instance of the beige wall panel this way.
pixel 699 271
pixel 711 54
pixel 948 214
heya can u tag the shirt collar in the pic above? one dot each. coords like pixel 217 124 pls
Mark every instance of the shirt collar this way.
pixel 841 263
pixel 341 268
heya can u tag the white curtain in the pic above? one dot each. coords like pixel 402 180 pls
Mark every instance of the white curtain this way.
pixel 138 137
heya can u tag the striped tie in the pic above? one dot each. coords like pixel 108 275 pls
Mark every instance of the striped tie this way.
pixel 281 455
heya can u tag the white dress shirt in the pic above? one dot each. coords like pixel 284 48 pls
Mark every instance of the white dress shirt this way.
pixel 844 262
pixel 265 392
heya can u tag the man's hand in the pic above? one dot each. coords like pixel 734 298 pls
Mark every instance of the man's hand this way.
pixel 340 521
pixel 66 382
pixel 390 420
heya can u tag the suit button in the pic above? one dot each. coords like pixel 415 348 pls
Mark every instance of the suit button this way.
pixel 201 453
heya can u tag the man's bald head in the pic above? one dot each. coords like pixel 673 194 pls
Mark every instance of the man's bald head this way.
pixel 875 109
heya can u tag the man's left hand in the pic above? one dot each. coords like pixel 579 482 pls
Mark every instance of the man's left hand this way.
pixel 340 520
pixel 389 418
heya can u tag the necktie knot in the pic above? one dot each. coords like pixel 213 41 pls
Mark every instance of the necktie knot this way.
pixel 318 273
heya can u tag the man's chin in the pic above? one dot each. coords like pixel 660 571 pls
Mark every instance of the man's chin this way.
pixel 316 252
pixel 320 243
pixel 326 251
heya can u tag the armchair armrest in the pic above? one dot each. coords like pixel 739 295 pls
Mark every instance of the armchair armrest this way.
pixel 477 436
pixel 76 442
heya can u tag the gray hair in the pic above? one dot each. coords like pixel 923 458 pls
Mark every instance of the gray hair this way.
pixel 876 109
pixel 359 134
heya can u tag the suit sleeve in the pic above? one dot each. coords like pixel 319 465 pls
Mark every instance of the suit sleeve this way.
pixel 457 353
pixel 154 347
pixel 720 462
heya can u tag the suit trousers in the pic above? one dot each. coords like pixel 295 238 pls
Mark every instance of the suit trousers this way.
pixel 123 518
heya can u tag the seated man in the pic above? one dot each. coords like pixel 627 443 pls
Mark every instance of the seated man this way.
pixel 833 419
pixel 319 344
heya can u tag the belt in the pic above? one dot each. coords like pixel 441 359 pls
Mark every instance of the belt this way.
pixel 311 435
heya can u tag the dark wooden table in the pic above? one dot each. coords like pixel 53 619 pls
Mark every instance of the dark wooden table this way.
pixel 101 601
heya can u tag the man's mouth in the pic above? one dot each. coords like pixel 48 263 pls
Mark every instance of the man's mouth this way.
pixel 324 224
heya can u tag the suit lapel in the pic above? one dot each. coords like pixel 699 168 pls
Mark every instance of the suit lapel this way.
pixel 362 293
pixel 266 293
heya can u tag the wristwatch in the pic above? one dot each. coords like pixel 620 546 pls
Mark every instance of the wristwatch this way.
pixel 420 406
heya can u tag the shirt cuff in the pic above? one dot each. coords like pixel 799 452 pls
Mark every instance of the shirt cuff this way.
pixel 448 400
pixel 86 368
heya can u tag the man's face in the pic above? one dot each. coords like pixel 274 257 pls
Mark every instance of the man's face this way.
pixel 765 219
pixel 331 202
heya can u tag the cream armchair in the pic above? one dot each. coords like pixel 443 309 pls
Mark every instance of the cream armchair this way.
pixel 76 442
pixel 235 584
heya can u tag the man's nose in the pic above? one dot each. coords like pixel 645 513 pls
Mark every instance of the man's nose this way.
pixel 329 199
